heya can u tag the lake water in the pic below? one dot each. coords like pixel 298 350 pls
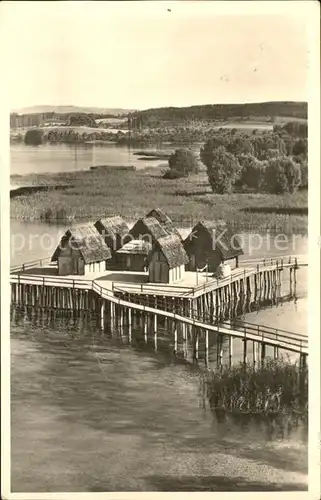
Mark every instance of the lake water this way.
pixel 53 158
pixel 92 412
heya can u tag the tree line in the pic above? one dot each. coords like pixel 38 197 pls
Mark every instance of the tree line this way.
pixel 222 112
pixel 276 162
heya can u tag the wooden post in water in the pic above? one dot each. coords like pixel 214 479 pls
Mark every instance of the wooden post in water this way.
pixel 195 343
pixel 254 353
pixel 129 325
pixel 221 351
pixel 145 320
pixel 155 332
pixel 230 351
pixel 206 347
pixel 244 351
pixel 102 315
pixel 175 337
pixel 121 319
pixel 263 352
pixel 112 315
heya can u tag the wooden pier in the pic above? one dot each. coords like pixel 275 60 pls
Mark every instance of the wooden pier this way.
pixel 209 308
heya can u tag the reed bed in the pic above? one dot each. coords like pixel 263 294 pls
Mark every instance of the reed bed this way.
pixel 274 388
pixel 107 191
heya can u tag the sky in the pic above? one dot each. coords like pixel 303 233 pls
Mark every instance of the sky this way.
pixel 149 54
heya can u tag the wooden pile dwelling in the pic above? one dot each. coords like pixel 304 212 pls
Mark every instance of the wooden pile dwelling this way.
pixel 81 251
pixel 133 255
pixel 167 260
pixel 209 244
pixel 148 271
pixel 115 233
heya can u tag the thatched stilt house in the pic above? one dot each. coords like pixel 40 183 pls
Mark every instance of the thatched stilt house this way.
pixel 148 229
pixel 211 243
pixel 164 220
pixel 81 250
pixel 115 232
pixel 132 256
pixel 167 260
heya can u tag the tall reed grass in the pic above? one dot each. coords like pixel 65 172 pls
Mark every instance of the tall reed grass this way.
pixel 276 387
pixel 107 191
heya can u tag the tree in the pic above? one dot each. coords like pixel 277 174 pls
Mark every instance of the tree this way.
pixel 272 153
pixel 252 171
pixel 297 129
pixel 300 147
pixel 183 161
pixel 282 175
pixel 240 145
pixel 223 169
pixel 81 119
pixel 263 143
pixel 34 137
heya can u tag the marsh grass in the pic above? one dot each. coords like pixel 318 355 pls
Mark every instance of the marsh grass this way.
pixel 91 194
pixel 275 388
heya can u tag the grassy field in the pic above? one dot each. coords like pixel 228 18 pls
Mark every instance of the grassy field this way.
pixel 87 195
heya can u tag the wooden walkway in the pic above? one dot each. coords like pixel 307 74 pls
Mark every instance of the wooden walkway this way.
pixel 268 336
pixel 263 335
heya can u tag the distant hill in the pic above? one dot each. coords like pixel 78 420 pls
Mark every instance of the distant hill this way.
pixel 264 110
pixel 72 109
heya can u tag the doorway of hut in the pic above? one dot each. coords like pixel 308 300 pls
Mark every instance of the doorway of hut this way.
pixel 160 272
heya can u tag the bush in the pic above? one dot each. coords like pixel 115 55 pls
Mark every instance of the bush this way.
pixel 252 171
pixel 282 175
pixel 183 161
pixel 34 137
pixel 173 174
pixel 223 168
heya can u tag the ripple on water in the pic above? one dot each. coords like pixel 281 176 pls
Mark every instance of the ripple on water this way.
pixel 92 415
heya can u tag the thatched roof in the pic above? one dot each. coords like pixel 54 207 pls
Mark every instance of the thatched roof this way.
pixel 221 237
pixel 88 241
pixel 146 226
pixel 136 247
pixel 172 249
pixel 112 226
pixel 164 220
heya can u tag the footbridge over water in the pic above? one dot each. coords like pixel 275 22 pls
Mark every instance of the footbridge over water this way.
pixel 192 310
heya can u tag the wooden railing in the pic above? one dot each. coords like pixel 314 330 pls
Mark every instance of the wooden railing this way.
pixel 149 288
pixel 51 281
pixel 30 265
pixel 287 340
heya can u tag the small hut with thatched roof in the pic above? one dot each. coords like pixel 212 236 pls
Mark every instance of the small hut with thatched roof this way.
pixel 81 250
pixel 115 232
pixel 132 256
pixel 211 243
pixel 167 260
pixel 164 220
pixel 148 229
